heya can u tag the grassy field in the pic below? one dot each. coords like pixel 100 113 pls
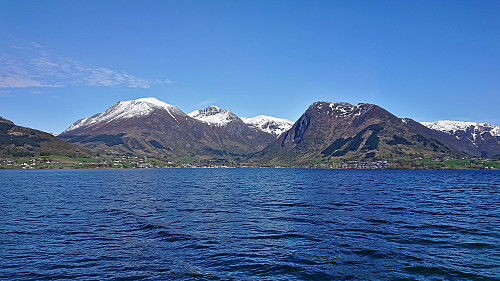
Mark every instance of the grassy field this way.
pixel 64 162
pixel 428 163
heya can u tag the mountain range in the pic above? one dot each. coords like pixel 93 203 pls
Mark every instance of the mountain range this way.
pixel 478 139
pixel 327 131
pixel 330 131
pixel 151 127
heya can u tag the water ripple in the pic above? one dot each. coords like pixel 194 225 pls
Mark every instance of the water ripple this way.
pixel 249 224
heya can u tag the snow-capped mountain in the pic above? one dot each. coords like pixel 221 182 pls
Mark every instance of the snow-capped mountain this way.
pixel 464 129
pixel 126 110
pixel 214 115
pixel 269 124
pixel 225 123
pixel 362 131
pixel 482 138
pixel 148 126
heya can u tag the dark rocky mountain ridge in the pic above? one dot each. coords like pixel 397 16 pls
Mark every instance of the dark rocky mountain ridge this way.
pixel 18 141
pixel 330 131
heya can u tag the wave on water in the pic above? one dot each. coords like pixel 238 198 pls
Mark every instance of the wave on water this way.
pixel 249 224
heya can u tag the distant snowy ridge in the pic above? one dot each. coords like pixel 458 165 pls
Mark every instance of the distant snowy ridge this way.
pixel 126 110
pixel 269 124
pixel 214 115
pixel 452 127
pixel 477 133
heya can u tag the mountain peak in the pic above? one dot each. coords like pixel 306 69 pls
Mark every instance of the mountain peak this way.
pixel 214 115
pixel 269 124
pixel 153 101
pixel 126 110
pixel 340 109
pixel 214 107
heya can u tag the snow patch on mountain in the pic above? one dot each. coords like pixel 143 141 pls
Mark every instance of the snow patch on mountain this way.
pixel 269 124
pixel 126 110
pixel 214 115
pixel 341 109
pixel 405 120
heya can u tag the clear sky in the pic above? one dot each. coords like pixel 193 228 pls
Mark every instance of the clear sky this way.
pixel 428 60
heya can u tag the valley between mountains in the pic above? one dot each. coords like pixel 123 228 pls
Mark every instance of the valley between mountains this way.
pixel 328 134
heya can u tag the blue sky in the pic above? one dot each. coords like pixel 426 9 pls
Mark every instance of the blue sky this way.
pixel 428 60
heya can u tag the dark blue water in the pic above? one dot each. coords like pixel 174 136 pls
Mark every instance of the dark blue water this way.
pixel 249 224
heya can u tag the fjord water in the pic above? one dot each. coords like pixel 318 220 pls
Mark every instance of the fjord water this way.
pixel 249 224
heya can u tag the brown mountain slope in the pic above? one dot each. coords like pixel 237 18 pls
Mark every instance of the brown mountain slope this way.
pixel 17 141
pixel 331 131
pixel 153 128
